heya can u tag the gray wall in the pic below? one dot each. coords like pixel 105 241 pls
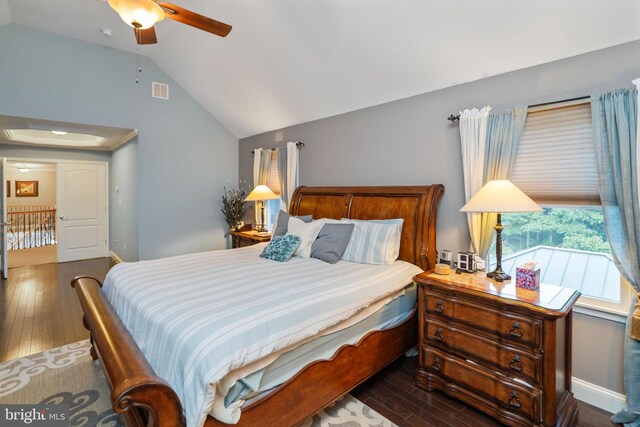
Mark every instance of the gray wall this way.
pixel 123 197
pixel 409 141
pixel 184 154
pixel 597 351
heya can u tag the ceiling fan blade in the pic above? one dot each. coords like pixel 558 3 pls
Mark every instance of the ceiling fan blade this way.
pixel 147 36
pixel 193 19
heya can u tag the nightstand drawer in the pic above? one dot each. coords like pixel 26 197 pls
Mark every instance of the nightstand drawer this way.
pixel 504 394
pixel 469 343
pixel 518 329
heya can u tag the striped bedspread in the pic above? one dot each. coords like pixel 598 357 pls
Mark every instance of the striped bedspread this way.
pixel 199 317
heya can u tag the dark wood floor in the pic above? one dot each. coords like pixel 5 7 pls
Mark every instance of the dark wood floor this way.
pixel 39 310
pixel 393 394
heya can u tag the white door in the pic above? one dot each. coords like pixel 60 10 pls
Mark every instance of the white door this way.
pixel 83 221
pixel 3 219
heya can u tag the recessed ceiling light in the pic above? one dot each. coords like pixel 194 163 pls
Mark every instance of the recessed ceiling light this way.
pixel 50 137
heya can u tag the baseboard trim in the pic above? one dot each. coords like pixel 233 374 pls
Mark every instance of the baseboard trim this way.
pixel 115 257
pixel 597 396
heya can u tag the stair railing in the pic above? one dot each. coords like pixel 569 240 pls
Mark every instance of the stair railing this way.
pixel 31 226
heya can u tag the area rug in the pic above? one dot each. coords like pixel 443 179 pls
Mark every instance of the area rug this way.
pixel 67 375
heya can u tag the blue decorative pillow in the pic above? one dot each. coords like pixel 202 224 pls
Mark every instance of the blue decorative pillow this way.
pixel 281 248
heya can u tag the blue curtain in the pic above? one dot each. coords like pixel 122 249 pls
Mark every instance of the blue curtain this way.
pixel 614 135
pixel 504 129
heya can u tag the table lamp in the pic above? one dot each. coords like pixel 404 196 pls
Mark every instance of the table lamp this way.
pixel 260 194
pixel 500 196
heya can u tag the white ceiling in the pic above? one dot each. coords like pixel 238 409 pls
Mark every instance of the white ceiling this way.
pixel 292 61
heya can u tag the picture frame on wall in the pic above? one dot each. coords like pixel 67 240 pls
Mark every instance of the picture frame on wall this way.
pixel 8 188
pixel 26 188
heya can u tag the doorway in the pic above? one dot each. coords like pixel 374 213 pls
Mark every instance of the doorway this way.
pixel 56 211
pixel 30 189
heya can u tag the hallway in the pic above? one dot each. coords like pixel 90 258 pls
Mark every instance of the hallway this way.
pixel 33 256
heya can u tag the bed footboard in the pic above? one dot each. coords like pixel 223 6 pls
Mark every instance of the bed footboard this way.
pixel 324 381
pixel 138 395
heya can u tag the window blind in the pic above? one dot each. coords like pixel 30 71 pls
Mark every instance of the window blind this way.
pixel 274 180
pixel 555 163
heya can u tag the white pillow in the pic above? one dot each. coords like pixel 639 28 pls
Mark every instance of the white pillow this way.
pixel 307 231
pixel 373 242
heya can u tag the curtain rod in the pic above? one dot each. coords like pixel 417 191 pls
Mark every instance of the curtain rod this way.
pixel 298 144
pixel 454 118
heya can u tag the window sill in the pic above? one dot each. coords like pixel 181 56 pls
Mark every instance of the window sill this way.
pixel 589 310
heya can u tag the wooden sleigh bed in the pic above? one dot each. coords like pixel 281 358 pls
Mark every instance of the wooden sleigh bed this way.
pixel 143 399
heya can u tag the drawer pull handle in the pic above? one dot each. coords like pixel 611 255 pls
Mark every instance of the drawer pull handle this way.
pixel 438 335
pixel 439 306
pixel 516 330
pixel 516 363
pixel 514 401
pixel 436 364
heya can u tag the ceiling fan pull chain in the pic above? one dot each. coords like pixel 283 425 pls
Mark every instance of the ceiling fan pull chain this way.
pixel 138 64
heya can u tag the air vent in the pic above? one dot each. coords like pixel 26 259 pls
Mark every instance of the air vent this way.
pixel 160 90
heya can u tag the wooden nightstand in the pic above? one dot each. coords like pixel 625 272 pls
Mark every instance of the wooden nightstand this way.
pixel 241 239
pixel 503 350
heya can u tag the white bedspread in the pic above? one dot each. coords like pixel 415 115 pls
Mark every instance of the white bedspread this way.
pixel 199 317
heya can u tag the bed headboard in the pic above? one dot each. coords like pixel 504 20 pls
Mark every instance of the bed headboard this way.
pixel 416 204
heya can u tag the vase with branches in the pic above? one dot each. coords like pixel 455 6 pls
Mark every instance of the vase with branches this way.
pixel 233 206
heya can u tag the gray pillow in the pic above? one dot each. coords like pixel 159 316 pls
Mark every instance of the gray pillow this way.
pixel 331 242
pixel 282 223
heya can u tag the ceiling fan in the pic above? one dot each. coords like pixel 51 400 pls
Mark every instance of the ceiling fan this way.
pixel 142 15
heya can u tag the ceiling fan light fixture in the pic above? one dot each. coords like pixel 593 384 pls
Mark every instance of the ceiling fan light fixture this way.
pixel 140 14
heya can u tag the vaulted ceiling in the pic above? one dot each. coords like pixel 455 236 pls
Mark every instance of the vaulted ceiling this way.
pixel 292 61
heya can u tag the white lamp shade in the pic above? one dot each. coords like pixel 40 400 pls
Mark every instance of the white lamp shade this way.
pixel 500 196
pixel 261 192
pixel 145 13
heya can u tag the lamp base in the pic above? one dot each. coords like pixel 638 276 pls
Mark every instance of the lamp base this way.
pixel 261 228
pixel 499 276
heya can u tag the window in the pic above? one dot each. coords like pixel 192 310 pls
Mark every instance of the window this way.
pixel 555 163
pixel 570 246
pixel 272 207
pixel 555 166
